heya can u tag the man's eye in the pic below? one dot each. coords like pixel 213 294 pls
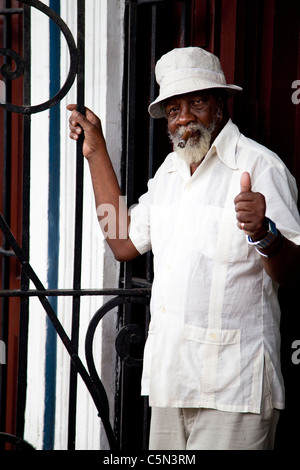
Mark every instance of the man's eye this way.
pixel 198 102
pixel 172 111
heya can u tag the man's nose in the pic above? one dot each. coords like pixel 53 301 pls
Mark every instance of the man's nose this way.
pixel 186 116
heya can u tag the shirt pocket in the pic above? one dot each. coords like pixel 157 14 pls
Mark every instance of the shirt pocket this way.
pixel 219 237
pixel 212 357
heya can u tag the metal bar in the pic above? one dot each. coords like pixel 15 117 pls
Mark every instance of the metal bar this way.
pixel 125 314
pixel 152 88
pixel 131 112
pixel 131 101
pixel 71 292
pixel 6 201
pixel 149 265
pixel 11 11
pixel 129 184
pixel 149 262
pixel 24 312
pixel 7 253
pixel 183 26
pixel 78 224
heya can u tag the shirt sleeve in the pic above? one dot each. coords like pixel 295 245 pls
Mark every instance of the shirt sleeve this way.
pixel 280 191
pixel 139 230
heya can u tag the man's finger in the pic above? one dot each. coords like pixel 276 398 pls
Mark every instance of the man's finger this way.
pixel 245 182
pixel 79 120
pixel 71 107
pixel 87 117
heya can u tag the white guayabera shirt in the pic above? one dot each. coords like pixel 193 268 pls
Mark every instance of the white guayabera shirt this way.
pixel 214 311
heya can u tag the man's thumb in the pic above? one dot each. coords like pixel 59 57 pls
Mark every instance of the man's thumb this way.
pixel 245 182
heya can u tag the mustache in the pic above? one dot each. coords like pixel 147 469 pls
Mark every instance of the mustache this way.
pixel 197 145
pixel 198 130
pixel 193 128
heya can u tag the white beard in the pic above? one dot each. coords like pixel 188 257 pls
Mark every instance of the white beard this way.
pixel 196 147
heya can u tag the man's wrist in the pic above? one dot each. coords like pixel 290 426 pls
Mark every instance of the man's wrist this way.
pixel 272 249
pixel 271 243
pixel 271 234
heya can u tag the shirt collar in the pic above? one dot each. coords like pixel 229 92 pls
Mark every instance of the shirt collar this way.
pixel 224 146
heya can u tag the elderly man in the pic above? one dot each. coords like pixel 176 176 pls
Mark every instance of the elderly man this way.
pixel 220 216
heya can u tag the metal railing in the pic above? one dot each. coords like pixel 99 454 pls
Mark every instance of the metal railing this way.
pixel 128 334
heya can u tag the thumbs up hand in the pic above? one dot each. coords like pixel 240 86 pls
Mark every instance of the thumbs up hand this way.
pixel 250 210
pixel 245 183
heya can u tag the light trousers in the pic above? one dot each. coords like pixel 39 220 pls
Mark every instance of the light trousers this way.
pixel 209 429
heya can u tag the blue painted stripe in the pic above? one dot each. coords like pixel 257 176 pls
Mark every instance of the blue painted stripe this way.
pixel 53 231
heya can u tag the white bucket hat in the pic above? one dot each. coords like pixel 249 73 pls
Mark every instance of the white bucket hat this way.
pixel 184 70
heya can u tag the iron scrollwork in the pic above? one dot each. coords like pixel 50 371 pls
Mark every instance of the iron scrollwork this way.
pixel 15 442
pixel 129 335
pixel 6 69
pixel 10 74
pixel 91 379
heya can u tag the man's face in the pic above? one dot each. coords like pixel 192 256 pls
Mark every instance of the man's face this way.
pixel 199 112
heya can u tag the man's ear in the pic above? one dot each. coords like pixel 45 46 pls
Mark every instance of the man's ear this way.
pixel 223 113
pixel 220 111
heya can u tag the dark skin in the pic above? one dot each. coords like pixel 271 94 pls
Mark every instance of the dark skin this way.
pixel 200 108
pixel 182 110
pixel 105 184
